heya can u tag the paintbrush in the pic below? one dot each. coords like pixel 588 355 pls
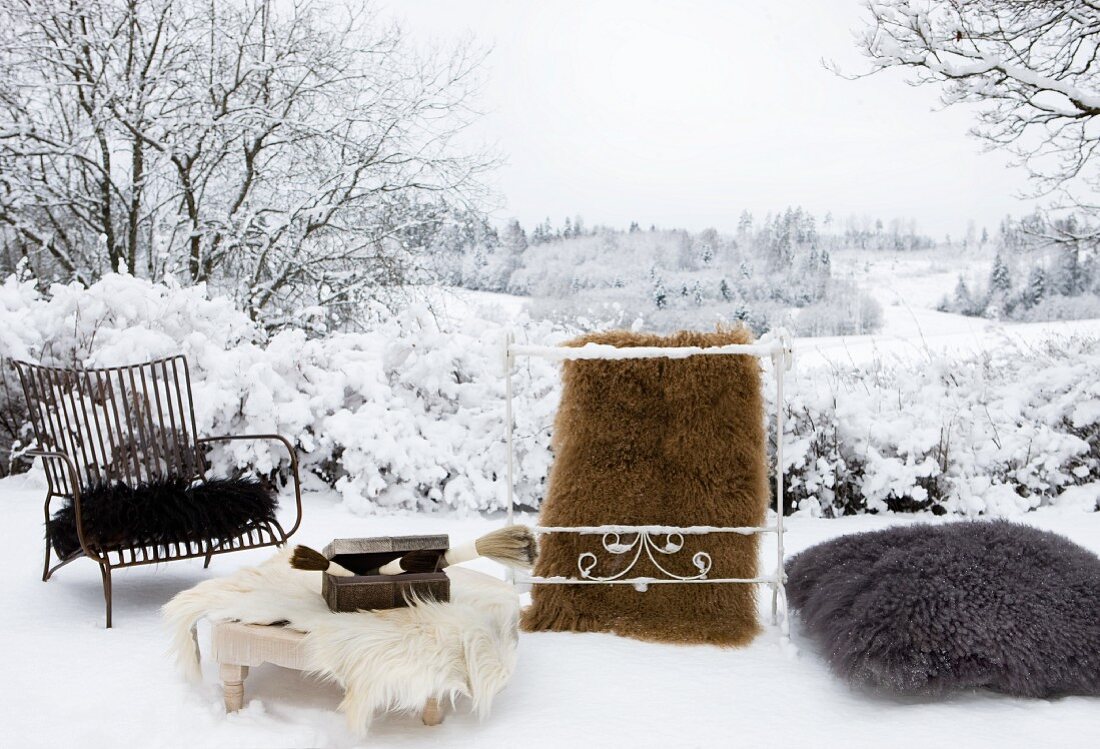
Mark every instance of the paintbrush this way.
pixel 513 546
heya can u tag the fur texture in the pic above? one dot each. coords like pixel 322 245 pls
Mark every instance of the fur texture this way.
pixel 656 442
pixel 162 512
pixel 394 659
pixel 926 610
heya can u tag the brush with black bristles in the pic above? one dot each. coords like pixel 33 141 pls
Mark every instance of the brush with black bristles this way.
pixel 513 546
pixel 305 558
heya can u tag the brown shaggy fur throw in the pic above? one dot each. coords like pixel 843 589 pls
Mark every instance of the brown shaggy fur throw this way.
pixel 656 442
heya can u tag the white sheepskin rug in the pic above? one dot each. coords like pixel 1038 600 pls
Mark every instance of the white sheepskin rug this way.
pixel 385 660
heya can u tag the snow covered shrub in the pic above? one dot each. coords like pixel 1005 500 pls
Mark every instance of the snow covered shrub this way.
pixel 844 311
pixel 817 476
pixel 1086 306
pixel 409 414
pixel 1000 432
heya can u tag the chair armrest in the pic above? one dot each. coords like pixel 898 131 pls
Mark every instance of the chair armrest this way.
pixel 74 483
pixel 293 464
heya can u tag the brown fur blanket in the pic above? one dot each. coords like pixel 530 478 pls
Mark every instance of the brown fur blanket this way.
pixel 656 442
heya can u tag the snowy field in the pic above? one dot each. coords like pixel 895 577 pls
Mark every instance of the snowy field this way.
pixel 909 286
pixel 70 677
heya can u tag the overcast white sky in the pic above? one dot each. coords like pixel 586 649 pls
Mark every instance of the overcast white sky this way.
pixel 684 113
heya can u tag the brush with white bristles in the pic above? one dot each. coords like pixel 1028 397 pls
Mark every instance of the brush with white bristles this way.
pixel 513 546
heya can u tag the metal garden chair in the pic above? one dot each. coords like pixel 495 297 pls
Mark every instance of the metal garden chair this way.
pixel 128 424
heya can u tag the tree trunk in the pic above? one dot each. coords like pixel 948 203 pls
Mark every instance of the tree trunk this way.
pixel 137 175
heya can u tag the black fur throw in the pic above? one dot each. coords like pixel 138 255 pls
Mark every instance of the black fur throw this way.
pixel 930 609
pixel 160 512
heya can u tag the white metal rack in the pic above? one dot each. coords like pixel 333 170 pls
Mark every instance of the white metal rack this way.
pixel 646 538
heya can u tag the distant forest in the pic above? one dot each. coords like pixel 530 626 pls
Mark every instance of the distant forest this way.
pixel 670 278
pixel 1044 269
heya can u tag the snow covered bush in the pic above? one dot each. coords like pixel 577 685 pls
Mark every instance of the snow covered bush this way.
pixel 410 413
pixel 1001 432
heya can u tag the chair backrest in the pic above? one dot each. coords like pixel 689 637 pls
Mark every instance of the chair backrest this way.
pixel 130 424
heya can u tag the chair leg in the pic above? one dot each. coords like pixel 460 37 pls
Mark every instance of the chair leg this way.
pixel 209 553
pixel 105 572
pixel 46 566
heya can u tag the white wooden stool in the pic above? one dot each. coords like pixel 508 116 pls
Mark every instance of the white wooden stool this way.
pixel 237 647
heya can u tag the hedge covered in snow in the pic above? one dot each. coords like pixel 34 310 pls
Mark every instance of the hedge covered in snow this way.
pixel 410 413
pixel 1001 432
pixel 406 415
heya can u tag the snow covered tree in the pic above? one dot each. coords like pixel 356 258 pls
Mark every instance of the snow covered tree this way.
pixel 513 243
pixel 971 237
pixel 779 242
pixel 1000 279
pixel 267 149
pixel 463 248
pixel 962 301
pixel 1000 286
pixel 1029 65
pixel 658 292
pixel 744 225
pixel 543 232
pixel 724 290
pixel 1067 275
pixel 707 245
pixel 697 295
pixel 1036 286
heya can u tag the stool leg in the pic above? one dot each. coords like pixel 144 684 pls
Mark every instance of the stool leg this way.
pixel 233 677
pixel 433 712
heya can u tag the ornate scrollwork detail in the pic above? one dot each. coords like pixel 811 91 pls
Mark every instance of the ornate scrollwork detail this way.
pixel 648 543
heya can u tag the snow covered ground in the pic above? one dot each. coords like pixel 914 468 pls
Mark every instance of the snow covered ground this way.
pixel 909 286
pixel 70 680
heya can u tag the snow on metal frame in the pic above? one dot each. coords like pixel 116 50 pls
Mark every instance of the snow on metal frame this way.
pixel 777 347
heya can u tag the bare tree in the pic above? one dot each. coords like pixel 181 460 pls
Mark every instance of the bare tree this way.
pixel 264 149
pixel 1031 65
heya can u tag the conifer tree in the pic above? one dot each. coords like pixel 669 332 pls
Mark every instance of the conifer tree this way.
pixel 1000 279
pixel 1036 286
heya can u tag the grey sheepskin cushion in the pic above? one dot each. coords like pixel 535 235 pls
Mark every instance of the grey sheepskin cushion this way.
pixel 930 609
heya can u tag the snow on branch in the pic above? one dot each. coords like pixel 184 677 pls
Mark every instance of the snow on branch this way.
pixel 1031 65
pixel 272 150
